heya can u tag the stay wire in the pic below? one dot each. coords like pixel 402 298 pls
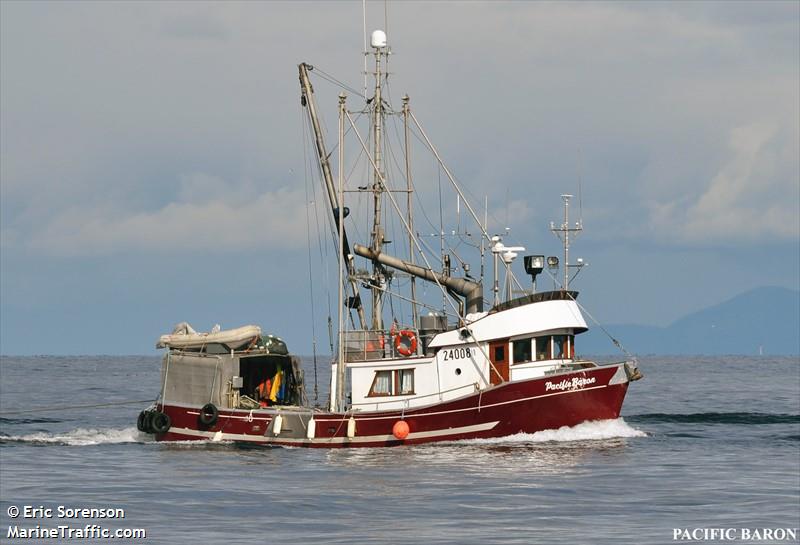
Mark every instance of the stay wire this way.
pixel 615 341
pixel 324 75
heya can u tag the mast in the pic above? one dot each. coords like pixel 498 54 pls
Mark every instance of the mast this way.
pixel 378 42
pixel 337 401
pixel 566 240
pixel 307 99
pixel 410 215
pixel 563 233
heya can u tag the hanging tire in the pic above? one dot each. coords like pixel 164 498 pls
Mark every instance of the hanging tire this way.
pixel 143 422
pixel 160 422
pixel 209 414
pixel 148 421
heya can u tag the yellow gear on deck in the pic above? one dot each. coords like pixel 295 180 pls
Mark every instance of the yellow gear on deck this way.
pixel 276 386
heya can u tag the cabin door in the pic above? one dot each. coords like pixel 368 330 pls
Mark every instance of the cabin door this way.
pixel 498 354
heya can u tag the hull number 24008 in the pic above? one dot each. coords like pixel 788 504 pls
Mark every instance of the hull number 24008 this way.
pixel 457 353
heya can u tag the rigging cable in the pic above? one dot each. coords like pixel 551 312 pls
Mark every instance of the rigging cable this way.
pixel 421 137
pixel 330 79
pixel 389 219
pixel 332 237
pixel 616 342
pixel 427 263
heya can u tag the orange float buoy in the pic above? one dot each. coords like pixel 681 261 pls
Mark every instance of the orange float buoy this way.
pixel 400 429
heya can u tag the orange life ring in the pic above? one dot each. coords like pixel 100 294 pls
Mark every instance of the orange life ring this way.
pixel 401 347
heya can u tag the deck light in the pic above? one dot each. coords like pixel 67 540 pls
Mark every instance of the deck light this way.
pixel 534 264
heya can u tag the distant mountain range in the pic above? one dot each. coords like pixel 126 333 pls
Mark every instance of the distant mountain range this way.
pixel 761 321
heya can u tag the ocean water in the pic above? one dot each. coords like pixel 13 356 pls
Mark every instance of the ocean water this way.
pixel 703 443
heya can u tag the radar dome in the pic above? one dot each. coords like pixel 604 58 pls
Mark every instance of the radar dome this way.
pixel 378 39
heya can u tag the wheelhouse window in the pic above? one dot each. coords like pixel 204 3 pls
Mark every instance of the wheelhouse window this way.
pixel 522 350
pixel 555 347
pixel 560 348
pixel 396 382
pixel 542 348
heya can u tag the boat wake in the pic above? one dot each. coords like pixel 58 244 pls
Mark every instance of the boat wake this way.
pixel 585 431
pixel 80 437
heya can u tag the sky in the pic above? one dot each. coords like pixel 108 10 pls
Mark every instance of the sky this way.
pixel 152 153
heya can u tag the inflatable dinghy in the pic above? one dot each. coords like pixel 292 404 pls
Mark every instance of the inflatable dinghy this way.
pixel 183 336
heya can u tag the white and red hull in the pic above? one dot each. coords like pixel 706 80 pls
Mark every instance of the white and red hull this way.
pixel 526 406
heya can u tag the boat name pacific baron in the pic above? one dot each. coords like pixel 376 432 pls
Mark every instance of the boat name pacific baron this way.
pixel 575 384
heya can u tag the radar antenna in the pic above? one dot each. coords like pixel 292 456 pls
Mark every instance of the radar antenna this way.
pixel 563 232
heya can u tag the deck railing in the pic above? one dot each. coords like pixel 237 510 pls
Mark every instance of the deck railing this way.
pixel 370 344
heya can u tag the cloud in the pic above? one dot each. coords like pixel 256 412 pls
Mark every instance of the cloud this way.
pixel 648 92
pixel 753 196
pixel 206 219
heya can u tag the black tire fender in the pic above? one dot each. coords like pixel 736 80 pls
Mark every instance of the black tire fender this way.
pixel 209 414
pixel 143 422
pixel 160 422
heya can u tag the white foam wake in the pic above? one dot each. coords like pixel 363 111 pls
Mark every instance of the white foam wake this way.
pixel 81 437
pixel 585 431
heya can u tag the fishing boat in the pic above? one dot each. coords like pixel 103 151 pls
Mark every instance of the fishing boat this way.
pixel 405 370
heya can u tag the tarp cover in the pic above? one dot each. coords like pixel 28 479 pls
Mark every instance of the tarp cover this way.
pixel 197 380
